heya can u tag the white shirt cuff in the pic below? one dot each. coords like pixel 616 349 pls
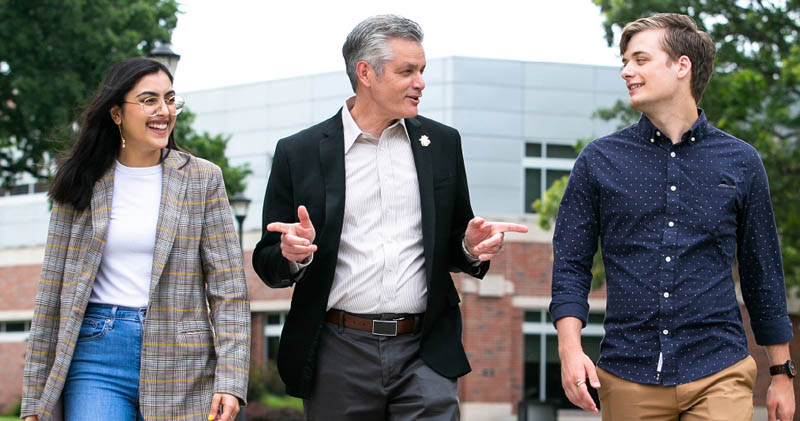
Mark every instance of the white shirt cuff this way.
pixel 297 267
pixel 470 257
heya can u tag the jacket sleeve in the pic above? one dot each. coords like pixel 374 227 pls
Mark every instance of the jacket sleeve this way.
pixel 43 338
pixel 462 214
pixel 268 262
pixel 226 291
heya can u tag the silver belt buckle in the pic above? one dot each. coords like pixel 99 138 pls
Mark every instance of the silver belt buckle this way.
pixel 384 327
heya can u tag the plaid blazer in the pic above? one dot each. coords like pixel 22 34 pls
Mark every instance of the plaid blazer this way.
pixel 196 337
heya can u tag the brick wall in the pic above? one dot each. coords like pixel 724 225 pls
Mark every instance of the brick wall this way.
pixel 12 361
pixel 18 286
pixel 494 343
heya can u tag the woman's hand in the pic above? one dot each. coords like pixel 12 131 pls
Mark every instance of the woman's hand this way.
pixel 229 407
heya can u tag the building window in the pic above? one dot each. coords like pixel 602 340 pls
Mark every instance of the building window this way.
pixel 41 187
pixel 272 348
pixel 272 334
pixel 544 164
pixel 533 187
pixel 555 175
pixel 533 150
pixel 14 331
pixel 28 188
pixel 536 185
pixel 542 366
pixel 561 151
pixel 20 189
pixel 15 326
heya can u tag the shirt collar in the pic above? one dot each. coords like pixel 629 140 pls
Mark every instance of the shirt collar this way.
pixel 351 129
pixel 648 132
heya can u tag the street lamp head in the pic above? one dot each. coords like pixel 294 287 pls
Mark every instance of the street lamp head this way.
pixel 164 54
pixel 239 203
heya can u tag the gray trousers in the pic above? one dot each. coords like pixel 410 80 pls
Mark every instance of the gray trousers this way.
pixel 363 377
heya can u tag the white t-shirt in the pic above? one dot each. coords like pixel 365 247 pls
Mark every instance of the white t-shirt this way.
pixel 123 278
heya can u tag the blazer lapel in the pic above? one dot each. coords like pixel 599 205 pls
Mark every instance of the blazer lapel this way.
pixel 331 155
pixel 100 208
pixel 102 197
pixel 173 192
pixel 424 163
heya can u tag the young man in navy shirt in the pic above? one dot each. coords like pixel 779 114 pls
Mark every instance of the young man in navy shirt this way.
pixel 673 201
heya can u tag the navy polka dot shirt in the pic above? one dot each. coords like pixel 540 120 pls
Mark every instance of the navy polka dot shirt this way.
pixel 670 218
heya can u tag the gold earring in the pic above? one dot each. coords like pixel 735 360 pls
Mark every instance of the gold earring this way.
pixel 120 136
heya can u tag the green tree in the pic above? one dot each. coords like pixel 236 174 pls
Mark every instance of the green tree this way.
pixel 53 53
pixel 211 148
pixel 754 93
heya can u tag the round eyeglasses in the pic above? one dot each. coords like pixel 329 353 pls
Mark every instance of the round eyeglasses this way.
pixel 152 105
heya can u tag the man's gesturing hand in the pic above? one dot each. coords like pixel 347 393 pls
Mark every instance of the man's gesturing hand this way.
pixel 484 239
pixel 296 239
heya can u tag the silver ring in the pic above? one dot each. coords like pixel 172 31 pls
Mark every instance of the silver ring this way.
pixel 579 383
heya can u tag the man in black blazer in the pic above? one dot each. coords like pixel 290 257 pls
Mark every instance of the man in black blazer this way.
pixel 366 214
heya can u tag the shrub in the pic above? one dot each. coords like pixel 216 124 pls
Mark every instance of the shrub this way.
pixel 263 382
pixel 258 411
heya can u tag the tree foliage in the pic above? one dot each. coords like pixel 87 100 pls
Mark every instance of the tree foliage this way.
pixel 53 54
pixel 547 206
pixel 754 93
pixel 211 148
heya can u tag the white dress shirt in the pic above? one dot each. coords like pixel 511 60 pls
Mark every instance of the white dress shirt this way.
pixel 381 263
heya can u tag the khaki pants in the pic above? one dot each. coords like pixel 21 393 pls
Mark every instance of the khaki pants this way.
pixel 723 396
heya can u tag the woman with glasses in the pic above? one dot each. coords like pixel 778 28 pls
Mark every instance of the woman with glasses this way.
pixel 142 309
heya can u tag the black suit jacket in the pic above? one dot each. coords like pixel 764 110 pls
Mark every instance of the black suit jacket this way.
pixel 308 169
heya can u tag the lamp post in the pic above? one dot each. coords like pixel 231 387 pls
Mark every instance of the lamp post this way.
pixel 239 203
pixel 162 53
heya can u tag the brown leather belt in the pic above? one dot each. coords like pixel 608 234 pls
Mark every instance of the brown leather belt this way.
pixel 375 326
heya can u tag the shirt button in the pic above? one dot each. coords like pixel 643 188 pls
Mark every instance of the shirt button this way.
pixel 672 154
pixel 668 259
pixel 658 133
pixel 673 188
pixel 652 140
pixel 665 331
pixel 692 139
pixel 672 224
pixel 666 295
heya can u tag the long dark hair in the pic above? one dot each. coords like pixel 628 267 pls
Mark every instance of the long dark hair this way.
pixel 98 142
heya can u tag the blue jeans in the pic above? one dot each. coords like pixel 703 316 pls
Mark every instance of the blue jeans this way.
pixel 103 378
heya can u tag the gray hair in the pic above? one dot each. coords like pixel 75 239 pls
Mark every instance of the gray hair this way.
pixel 369 41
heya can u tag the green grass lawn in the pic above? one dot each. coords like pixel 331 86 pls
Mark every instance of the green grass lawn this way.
pixel 8 418
pixel 273 402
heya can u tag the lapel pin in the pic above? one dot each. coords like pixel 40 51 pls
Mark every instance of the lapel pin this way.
pixel 424 141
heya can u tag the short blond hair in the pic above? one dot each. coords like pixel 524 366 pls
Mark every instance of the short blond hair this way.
pixel 681 38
